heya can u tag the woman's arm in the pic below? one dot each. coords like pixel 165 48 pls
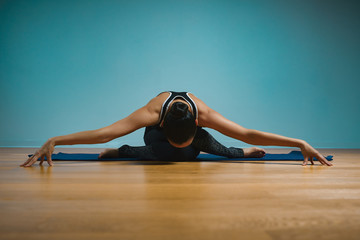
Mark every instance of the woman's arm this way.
pixel 142 117
pixel 216 121
pixel 229 128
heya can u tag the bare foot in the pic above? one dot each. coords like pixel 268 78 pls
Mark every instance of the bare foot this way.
pixel 254 152
pixel 109 153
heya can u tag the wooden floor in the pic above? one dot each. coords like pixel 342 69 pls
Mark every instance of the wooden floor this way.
pixel 182 200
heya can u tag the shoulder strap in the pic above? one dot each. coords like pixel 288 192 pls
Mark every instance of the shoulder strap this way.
pixel 165 106
pixel 193 105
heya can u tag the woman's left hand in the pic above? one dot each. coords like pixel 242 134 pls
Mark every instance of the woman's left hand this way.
pixel 309 153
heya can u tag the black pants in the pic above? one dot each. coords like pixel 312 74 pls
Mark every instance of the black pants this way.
pixel 163 150
pixel 158 147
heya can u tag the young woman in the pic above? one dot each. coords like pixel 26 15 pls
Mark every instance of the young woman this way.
pixel 174 124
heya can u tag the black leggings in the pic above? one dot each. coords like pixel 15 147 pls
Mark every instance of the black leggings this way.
pixel 158 147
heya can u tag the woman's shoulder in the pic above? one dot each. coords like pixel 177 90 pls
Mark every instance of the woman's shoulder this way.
pixel 155 104
pixel 199 103
pixel 161 98
pixel 203 110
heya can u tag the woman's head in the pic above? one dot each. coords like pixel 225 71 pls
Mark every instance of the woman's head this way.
pixel 179 124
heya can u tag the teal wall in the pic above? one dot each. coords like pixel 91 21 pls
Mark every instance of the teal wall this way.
pixel 287 67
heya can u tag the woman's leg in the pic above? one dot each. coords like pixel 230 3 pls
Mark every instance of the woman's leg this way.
pixel 157 147
pixel 203 141
pixel 142 152
pixel 126 151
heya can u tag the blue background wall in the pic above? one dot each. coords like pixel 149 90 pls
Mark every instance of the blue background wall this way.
pixel 287 67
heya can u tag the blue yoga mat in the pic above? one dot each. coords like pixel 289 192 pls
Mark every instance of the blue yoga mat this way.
pixel 291 156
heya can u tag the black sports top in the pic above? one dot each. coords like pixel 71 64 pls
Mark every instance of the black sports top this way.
pixel 174 95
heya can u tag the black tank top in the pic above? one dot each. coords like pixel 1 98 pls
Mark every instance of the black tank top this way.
pixel 175 95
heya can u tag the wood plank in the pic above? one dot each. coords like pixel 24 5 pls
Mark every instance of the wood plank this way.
pixel 181 200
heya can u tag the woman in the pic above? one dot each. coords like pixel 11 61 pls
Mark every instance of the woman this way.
pixel 174 122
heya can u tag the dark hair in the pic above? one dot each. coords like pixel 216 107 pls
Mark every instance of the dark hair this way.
pixel 179 124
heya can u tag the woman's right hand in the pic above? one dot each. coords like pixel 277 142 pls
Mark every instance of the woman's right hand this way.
pixel 46 150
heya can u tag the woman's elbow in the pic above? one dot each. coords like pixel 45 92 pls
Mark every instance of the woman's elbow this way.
pixel 104 135
pixel 250 136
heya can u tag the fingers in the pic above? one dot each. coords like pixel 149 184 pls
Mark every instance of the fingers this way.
pixel 306 159
pixel 27 161
pixel 49 160
pixel 323 160
pixel 31 160
pixel 319 157
pixel 35 158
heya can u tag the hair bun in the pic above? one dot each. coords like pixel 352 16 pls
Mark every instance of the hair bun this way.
pixel 179 109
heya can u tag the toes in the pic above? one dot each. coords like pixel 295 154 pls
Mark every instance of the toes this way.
pixel 100 155
pixel 260 152
pixel 109 153
pixel 255 152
